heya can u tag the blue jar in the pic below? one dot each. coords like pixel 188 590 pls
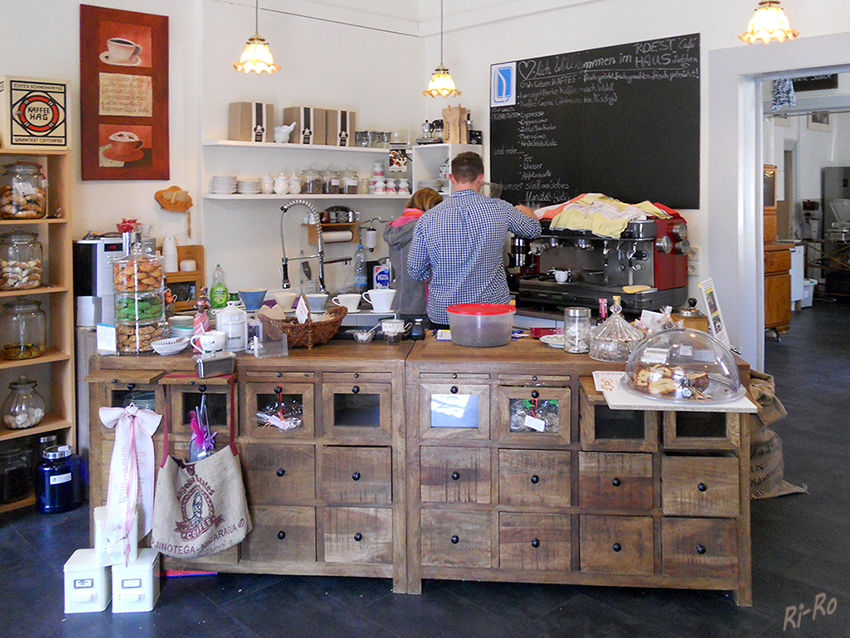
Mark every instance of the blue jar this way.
pixel 58 484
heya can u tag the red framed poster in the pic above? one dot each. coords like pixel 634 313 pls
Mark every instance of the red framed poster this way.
pixel 123 95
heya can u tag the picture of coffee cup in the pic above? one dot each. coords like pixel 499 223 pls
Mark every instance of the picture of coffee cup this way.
pixel 122 50
pixel 381 299
pixel 125 143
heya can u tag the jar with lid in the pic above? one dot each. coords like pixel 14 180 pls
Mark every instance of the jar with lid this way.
pixel 22 194
pixel 24 407
pixel 24 329
pixel 294 184
pixel 14 474
pixel 614 340
pixel 57 484
pixel 331 182
pixel 311 182
pixel 21 263
pixel 576 330
pixel 137 271
pixel 350 181
pixel 403 186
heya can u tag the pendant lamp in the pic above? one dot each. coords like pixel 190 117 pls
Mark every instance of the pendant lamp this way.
pixel 441 84
pixel 769 23
pixel 256 57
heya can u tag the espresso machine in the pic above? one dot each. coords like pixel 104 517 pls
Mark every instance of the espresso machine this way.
pixel 647 267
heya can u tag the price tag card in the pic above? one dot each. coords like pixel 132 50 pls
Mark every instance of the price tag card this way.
pixel 607 380
pixel 534 423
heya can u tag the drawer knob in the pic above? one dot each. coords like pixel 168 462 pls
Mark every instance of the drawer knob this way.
pixel 702 487
pixel 534 394
pixel 453 389
pixel 535 479
pixel 278 390
pixel 454 375
pixel 279 375
pixel 280 471
pixel 455 539
pixel 191 383
pixel 202 388
pixel 616 547
pixel 616 482
pixel 356 476
pixel 455 476
pixel 355 389
pixel 358 537
pixel 535 543
pixel 281 535
pixel 700 549
pixel 534 378
pixel 356 375
pixel 131 386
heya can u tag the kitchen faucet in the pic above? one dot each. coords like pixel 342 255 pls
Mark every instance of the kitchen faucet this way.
pixel 320 254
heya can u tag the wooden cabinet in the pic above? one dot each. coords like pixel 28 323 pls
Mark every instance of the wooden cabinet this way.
pixel 777 287
pixel 54 370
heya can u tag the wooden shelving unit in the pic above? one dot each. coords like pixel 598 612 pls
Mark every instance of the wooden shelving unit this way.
pixel 57 300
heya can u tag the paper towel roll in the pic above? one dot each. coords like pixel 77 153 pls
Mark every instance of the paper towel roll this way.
pixel 337 235
pixel 370 239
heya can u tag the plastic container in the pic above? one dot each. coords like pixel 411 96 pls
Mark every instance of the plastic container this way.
pixel 683 366
pixel 481 325
pixel 58 485
pixel 24 330
pixel 21 265
pixel 24 407
pixel 22 194
pixel 576 330
pixel 808 293
pixel 218 290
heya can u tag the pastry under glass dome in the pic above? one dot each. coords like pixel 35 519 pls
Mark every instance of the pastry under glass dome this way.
pixel 683 366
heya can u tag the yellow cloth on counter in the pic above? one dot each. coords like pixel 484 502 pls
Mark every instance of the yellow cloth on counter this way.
pixel 600 214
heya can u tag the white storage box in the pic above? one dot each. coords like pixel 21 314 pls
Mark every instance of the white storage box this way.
pixel 87 585
pixel 808 293
pixel 113 554
pixel 135 587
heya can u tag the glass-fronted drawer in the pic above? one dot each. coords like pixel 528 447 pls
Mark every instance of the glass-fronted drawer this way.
pixel 277 474
pixel 357 410
pixel 616 544
pixel 702 430
pixel 281 534
pixel 358 535
pixel 700 486
pixel 602 428
pixel 356 474
pixel 534 477
pixel 615 480
pixel 456 538
pixel 699 547
pixel 279 410
pixel 454 475
pixel 212 401
pixel 119 388
pixel 534 413
pixel 454 410
pixel 539 542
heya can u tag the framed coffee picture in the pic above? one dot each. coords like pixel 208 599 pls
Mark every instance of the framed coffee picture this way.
pixel 123 95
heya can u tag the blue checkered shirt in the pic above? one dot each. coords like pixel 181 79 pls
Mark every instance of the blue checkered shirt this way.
pixel 459 244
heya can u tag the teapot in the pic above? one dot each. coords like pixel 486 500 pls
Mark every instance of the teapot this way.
pixel 281 133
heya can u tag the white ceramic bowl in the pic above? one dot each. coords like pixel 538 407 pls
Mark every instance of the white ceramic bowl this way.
pixel 169 346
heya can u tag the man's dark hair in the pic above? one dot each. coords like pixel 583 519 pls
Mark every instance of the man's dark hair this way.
pixel 466 167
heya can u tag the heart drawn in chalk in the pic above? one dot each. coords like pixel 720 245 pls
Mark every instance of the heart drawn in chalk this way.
pixel 526 68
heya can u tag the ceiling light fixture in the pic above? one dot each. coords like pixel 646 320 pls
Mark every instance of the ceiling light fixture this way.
pixel 256 57
pixel 441 84
pixel 769 23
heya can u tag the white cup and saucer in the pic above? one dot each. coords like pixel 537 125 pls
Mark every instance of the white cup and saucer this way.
pixel 351 301
pixel 381 299
pixel 122 52
pixel 124 146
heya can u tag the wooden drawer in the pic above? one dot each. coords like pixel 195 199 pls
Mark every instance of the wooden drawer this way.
pixel 539 542
pixel 264 397
pixel 277 474
pixel 616 544
pixel 454 410
pixel 456 538
pixel 602 428
pixel 776 261
pixel 356 475
pixel 281 534
pixel 699 547
pixel 358 535
pixel 357 377
pixel 534 414
pixel 615 480
pixel 357 409
pixel 702 430
pixel 455 475
pixel 699 486
pixel 534 477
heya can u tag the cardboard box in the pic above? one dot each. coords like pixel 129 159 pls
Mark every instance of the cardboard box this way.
pixel 34 113
pixel 310 124
pixel 340 128
pixel 250 122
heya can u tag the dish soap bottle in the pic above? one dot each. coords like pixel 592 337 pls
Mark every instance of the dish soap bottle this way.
pixel 360 269
pixel 218 291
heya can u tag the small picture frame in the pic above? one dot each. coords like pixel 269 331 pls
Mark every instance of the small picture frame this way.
pixel 715 317
pixel 34 114
pixel 818 121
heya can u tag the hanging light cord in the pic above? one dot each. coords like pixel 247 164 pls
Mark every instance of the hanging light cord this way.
pixel 257 17
pixel 441 32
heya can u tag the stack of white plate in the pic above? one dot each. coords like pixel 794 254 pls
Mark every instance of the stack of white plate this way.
pixel 224 184
pixel 248 186
pixel 180 326
pixel 178 332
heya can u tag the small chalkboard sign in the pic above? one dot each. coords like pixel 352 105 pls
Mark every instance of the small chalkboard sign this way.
pixel 620 120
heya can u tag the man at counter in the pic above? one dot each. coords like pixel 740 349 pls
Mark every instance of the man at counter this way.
pixel 459 243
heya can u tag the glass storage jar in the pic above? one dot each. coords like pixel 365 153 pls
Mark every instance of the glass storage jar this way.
pixel 576 330
pixel 311 182
pixel 24 330
pixel 14 474
pixel 58 482
pixel 22 194
pixel 21 263
pixel 137 271
pixel 24 407
pixel 350 181
pixel 615 339
pixel 331 182
pixel 137 337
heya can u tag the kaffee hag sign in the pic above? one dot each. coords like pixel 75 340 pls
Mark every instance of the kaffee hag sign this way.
pixel 34 113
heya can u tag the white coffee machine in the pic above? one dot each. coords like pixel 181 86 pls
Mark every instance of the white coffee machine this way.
pixel 93 283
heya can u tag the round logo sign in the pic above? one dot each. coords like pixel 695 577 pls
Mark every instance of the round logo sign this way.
pixel 38 113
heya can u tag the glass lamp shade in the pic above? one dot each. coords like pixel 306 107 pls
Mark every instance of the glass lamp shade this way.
pixel 441 84
pixel 256 57
pixel 769 23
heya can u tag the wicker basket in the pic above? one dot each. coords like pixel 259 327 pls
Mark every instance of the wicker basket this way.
pixel 309 333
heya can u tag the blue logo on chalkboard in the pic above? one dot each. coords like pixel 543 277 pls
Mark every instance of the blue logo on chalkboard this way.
pixel 503 84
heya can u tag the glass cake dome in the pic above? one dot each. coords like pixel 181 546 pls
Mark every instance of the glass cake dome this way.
pixel 683 366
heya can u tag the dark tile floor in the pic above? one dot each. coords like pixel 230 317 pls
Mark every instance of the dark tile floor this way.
pixel 799 555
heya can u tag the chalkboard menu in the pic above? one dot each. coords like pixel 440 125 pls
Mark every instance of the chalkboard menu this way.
pixel 620 120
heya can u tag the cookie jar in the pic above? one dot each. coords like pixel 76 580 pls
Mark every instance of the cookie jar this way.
pixel 21 264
